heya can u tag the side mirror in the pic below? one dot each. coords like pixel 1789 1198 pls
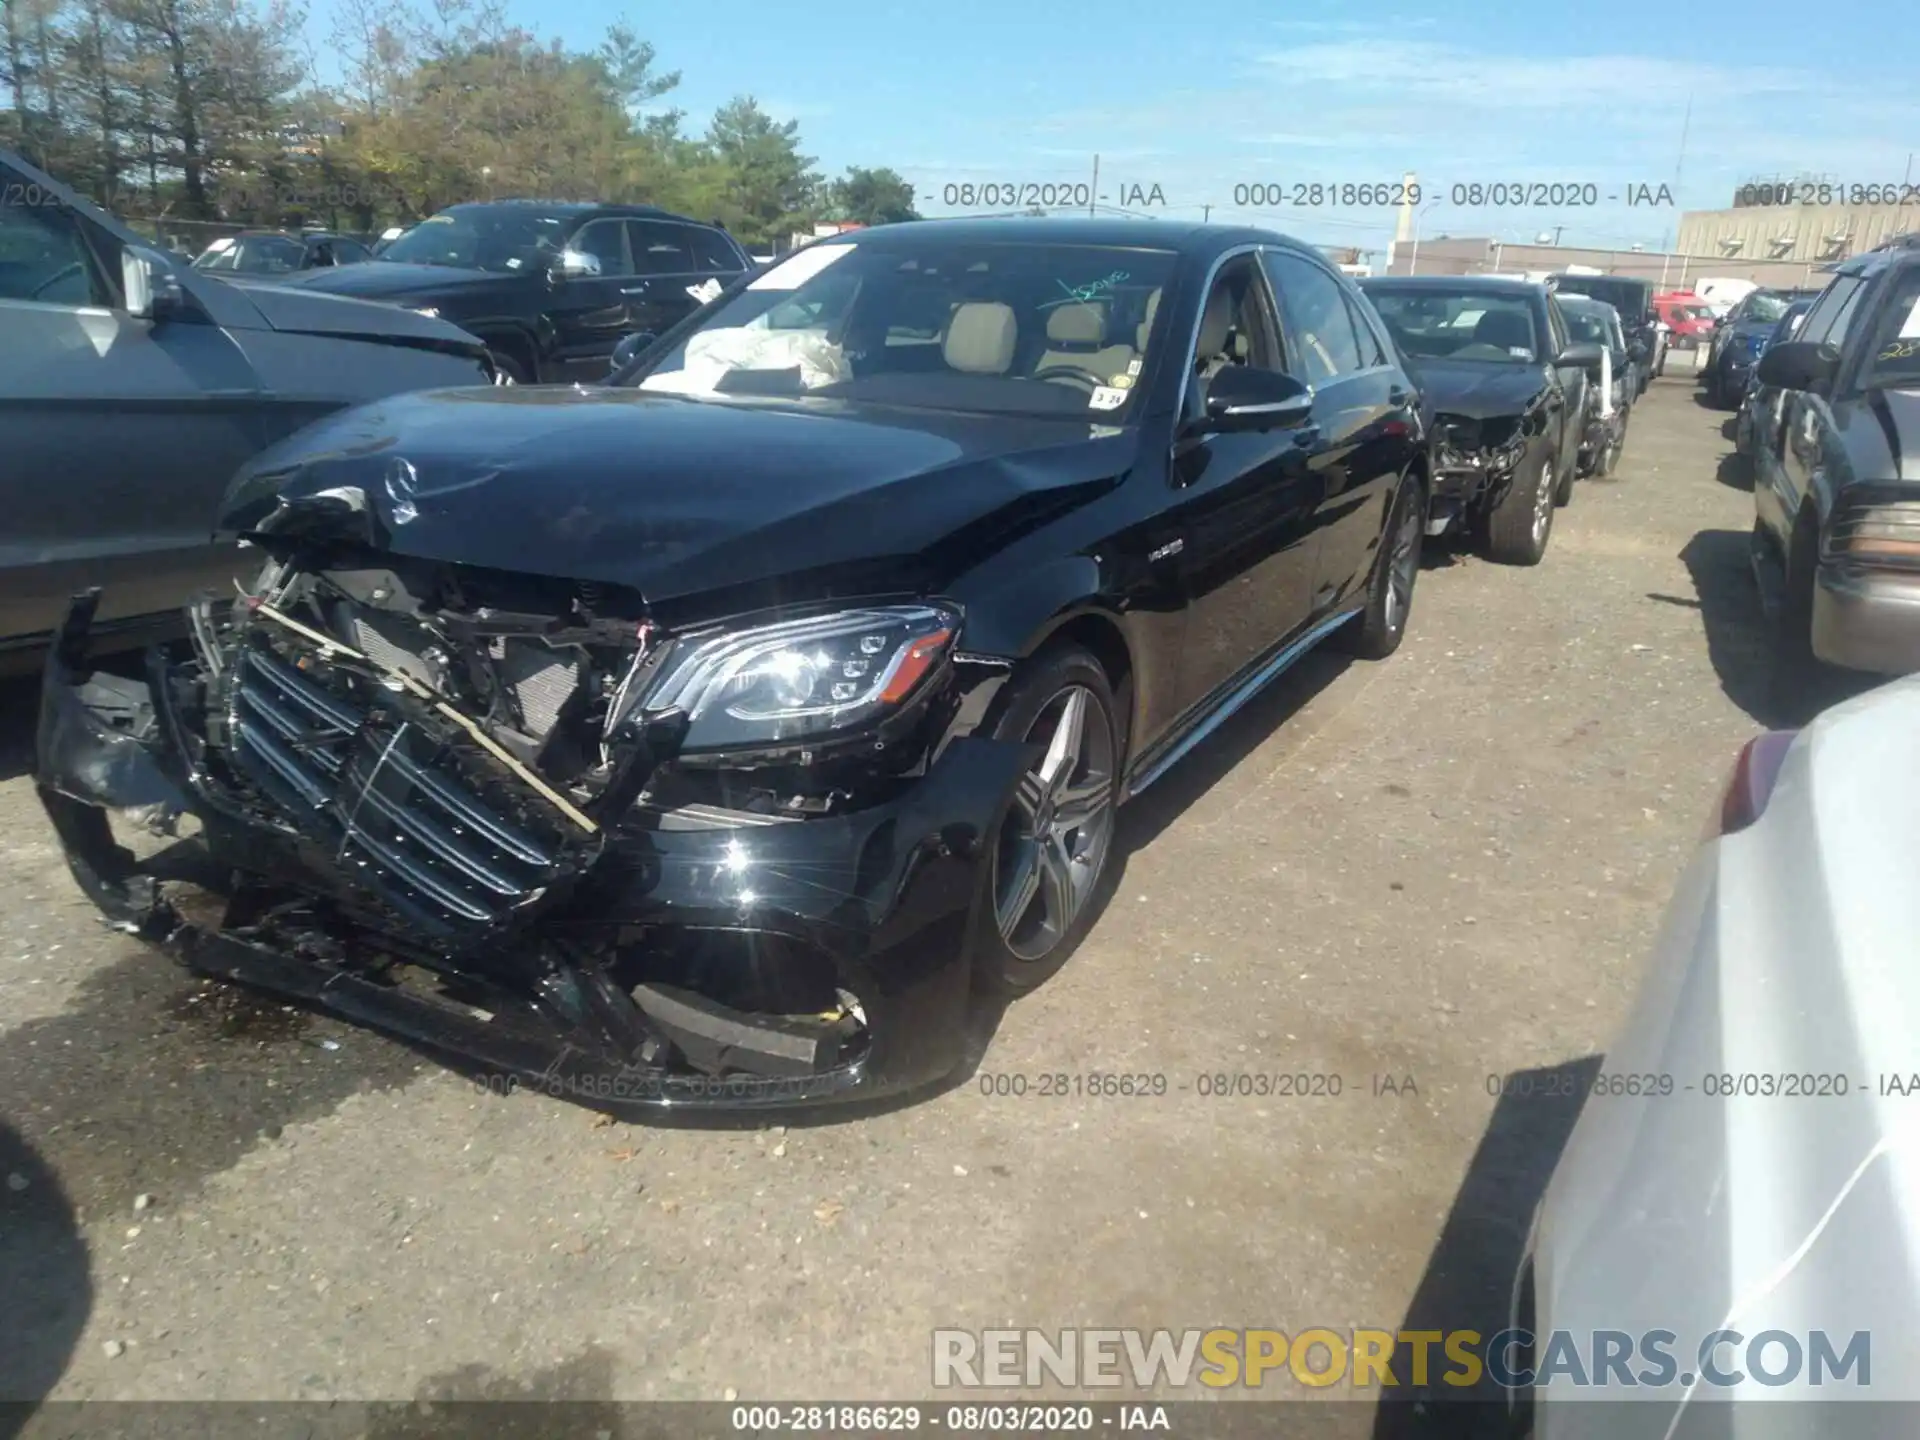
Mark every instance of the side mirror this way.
pixel 574 265
pixel 1798 365
pixel 631 346
pixel 152 288
pixel 1584 354
pixel 1243 398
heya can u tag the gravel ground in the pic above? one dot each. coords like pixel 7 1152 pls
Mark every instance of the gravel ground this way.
pixel 1444 867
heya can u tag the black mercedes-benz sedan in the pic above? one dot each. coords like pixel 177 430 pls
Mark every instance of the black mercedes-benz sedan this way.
pixel 709 735
pixel 1508 386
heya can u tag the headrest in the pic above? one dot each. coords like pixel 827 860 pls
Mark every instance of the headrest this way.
pixel 980 338
pixel 1215 324
pixel 1141 330
pixel 1508 329
pixel 1077 324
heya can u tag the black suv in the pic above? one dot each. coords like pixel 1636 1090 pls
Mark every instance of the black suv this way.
pixel 551 287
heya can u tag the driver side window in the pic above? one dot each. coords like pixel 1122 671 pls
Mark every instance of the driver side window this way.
pixel 43 255
pixel 1237 327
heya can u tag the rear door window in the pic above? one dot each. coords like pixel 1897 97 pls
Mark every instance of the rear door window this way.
pixel 661 249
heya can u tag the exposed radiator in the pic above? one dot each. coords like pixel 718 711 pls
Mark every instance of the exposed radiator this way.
pixel 541 678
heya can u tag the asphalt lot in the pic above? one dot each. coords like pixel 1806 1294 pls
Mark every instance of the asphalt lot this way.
pixel 1447 866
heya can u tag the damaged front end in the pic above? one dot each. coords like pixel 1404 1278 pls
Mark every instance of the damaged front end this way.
pixel 1474 459
pixel 504 817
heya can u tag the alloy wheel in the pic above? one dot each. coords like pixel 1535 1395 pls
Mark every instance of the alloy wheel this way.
pixel 1543 503
pixel 1054 845
pixel 1401 566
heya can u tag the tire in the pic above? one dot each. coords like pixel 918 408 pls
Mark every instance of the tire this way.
pixel 510 367
pixel 1563 487
pixel 1518 527
pixel 1743 432
pixel 1061 868
pixel 1378 630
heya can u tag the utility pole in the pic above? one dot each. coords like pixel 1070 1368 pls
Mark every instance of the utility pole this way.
pixel 1206 213
pixel 1686 124
pixel 1093 194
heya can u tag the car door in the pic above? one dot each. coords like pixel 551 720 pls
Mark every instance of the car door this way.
pixel 117 435
pixel 1244 512
pixel 1358 394
pixel 590 313
pixel 1808 441
pixel 678 268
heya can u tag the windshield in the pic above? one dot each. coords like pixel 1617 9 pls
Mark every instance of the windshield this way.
pixel 1769 308
pixel 1463 325
pixel 1896 348
pixel 1591 325
pixel 253 255
pixel 502 239
pixel 1006 328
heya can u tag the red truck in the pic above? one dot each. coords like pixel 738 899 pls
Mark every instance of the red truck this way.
pixel 1688 318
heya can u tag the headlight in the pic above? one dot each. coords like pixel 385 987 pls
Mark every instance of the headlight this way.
pixel 802 678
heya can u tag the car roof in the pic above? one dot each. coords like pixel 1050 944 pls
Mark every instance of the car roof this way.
pixel 1455 284
pixel 570 207
pixel 1900 251
pixel 1181 237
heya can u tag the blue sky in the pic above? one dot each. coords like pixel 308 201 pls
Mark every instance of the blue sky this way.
pixel 1202 99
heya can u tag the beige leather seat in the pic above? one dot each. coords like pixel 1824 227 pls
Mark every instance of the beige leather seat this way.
pixel 980 338
pixel 1076 336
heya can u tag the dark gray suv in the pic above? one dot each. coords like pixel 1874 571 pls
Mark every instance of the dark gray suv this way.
pixel 132 387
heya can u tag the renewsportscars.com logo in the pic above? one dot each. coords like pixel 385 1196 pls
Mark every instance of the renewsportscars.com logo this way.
pixel 1366 1358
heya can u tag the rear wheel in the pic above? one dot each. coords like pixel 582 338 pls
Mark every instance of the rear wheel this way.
pixel 509 366
pixel 1518 525
pixel 1050 856
pixel 1377 631
pixel 1563 487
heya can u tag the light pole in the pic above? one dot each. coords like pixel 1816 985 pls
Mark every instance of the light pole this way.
pixel 1413 260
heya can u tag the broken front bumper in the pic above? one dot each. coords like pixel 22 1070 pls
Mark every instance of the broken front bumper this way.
pixel 887 898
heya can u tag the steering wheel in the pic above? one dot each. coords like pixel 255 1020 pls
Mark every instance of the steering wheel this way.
pixel 54 279
pixel 1074 373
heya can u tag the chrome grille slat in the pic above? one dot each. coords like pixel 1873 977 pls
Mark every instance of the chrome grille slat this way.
pixel 387 801
pixel 428 832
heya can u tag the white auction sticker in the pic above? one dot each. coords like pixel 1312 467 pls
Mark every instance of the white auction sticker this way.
pixel 1910 327
pixel 792 274
pixel 1105 397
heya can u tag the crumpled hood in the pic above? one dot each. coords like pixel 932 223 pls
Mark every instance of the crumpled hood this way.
pixel 305 313
pixel 1480 390
pixel 389 279
pixel 672 496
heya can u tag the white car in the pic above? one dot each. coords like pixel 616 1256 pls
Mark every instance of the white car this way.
pixel 1747 1158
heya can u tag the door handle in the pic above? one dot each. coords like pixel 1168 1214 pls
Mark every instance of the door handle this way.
pixel 1399 395
pixel 635 289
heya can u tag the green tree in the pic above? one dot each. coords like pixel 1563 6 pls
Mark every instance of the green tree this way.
pixel 771 187
pixel 870 197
